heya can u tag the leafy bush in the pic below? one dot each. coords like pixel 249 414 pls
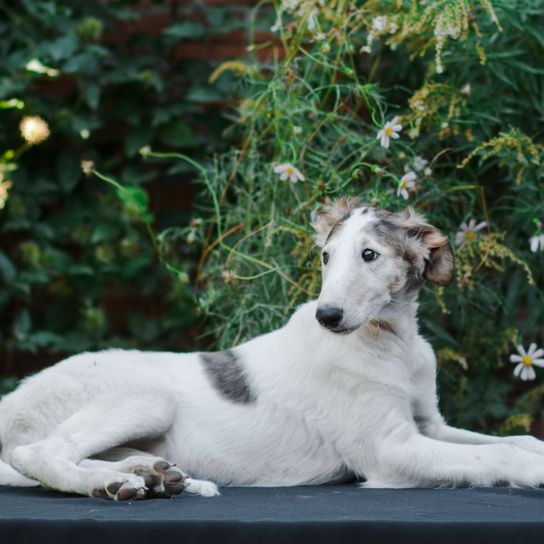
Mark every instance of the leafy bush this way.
pixel 464 81
pixel 458 81
pixel 76 268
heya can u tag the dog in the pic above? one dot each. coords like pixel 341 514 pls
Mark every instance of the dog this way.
pixel 345 390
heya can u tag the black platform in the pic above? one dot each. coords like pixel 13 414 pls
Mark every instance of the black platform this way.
pixel 328 514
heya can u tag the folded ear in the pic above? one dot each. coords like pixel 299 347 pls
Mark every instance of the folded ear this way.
pixel 439 258
pixel 324 220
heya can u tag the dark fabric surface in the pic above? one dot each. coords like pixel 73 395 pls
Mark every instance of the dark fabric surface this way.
pixel 327 514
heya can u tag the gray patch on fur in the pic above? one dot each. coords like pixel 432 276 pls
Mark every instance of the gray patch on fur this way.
pixel 393 235
pixel 421 423
pixel 227 376
pixel 389 233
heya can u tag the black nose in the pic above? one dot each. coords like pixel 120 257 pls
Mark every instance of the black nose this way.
pixel 329 316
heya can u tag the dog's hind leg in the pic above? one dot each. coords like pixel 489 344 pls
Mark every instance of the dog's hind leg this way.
pixel 9 476
pixel 161 477
pixel 106 423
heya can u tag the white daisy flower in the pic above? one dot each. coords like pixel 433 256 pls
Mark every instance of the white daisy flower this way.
pixel 297 130
pixel 526 360
pixel 420 163
pixel 468 231
pixel 390 130
pixel 312 20
pixel 407 183
pixel 379 24
pixel 290 4
pixel 288 172
pixel 466 89
pixel 537 242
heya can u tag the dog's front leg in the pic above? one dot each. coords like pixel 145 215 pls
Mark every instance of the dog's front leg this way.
pixel 431 423
pixel 427 415
pixel 419 461
pixel 435 427
pixel 393 453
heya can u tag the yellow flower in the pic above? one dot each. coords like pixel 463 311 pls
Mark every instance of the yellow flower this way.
pixel 34 129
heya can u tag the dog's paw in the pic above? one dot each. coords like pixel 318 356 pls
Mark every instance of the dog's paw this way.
pixel 171 480
pixel 125 488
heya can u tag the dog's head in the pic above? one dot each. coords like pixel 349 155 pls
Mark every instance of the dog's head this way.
pixel 371 257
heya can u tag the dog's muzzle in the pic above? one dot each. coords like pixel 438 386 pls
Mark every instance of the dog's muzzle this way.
pixel 329 317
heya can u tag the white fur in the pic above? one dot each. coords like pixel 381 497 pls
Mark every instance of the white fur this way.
pixel 327 405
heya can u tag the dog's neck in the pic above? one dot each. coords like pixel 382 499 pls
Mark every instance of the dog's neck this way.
pixel 399 317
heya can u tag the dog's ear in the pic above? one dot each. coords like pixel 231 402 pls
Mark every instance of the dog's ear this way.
pixel 439 258
pixel 325 219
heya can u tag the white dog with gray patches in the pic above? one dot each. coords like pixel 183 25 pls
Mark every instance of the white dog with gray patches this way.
pixel 345 389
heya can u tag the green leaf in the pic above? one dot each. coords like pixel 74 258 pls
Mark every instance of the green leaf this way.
pixel 105 232
pixel 7 268
pixel 203 94
pixel 178 134
pixel 80 270
pixel 69 172
pixel 185 30
pixel 45 339
pixel 137 138
pixel 22 325
pixel 439 332
pixel 91 96
pixel 136 202
pixel 61 48
pixel 8 384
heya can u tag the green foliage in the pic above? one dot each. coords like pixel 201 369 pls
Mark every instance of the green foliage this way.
pixel 77 270
pixel 465 80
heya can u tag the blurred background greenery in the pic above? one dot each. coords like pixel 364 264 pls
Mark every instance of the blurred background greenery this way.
pixel 186 236
pixel 107 78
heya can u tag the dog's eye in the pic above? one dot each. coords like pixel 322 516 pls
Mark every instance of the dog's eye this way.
pixel 369 255
pixel 325 257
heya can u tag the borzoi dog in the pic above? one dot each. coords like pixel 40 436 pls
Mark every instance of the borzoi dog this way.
pixel 346 389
